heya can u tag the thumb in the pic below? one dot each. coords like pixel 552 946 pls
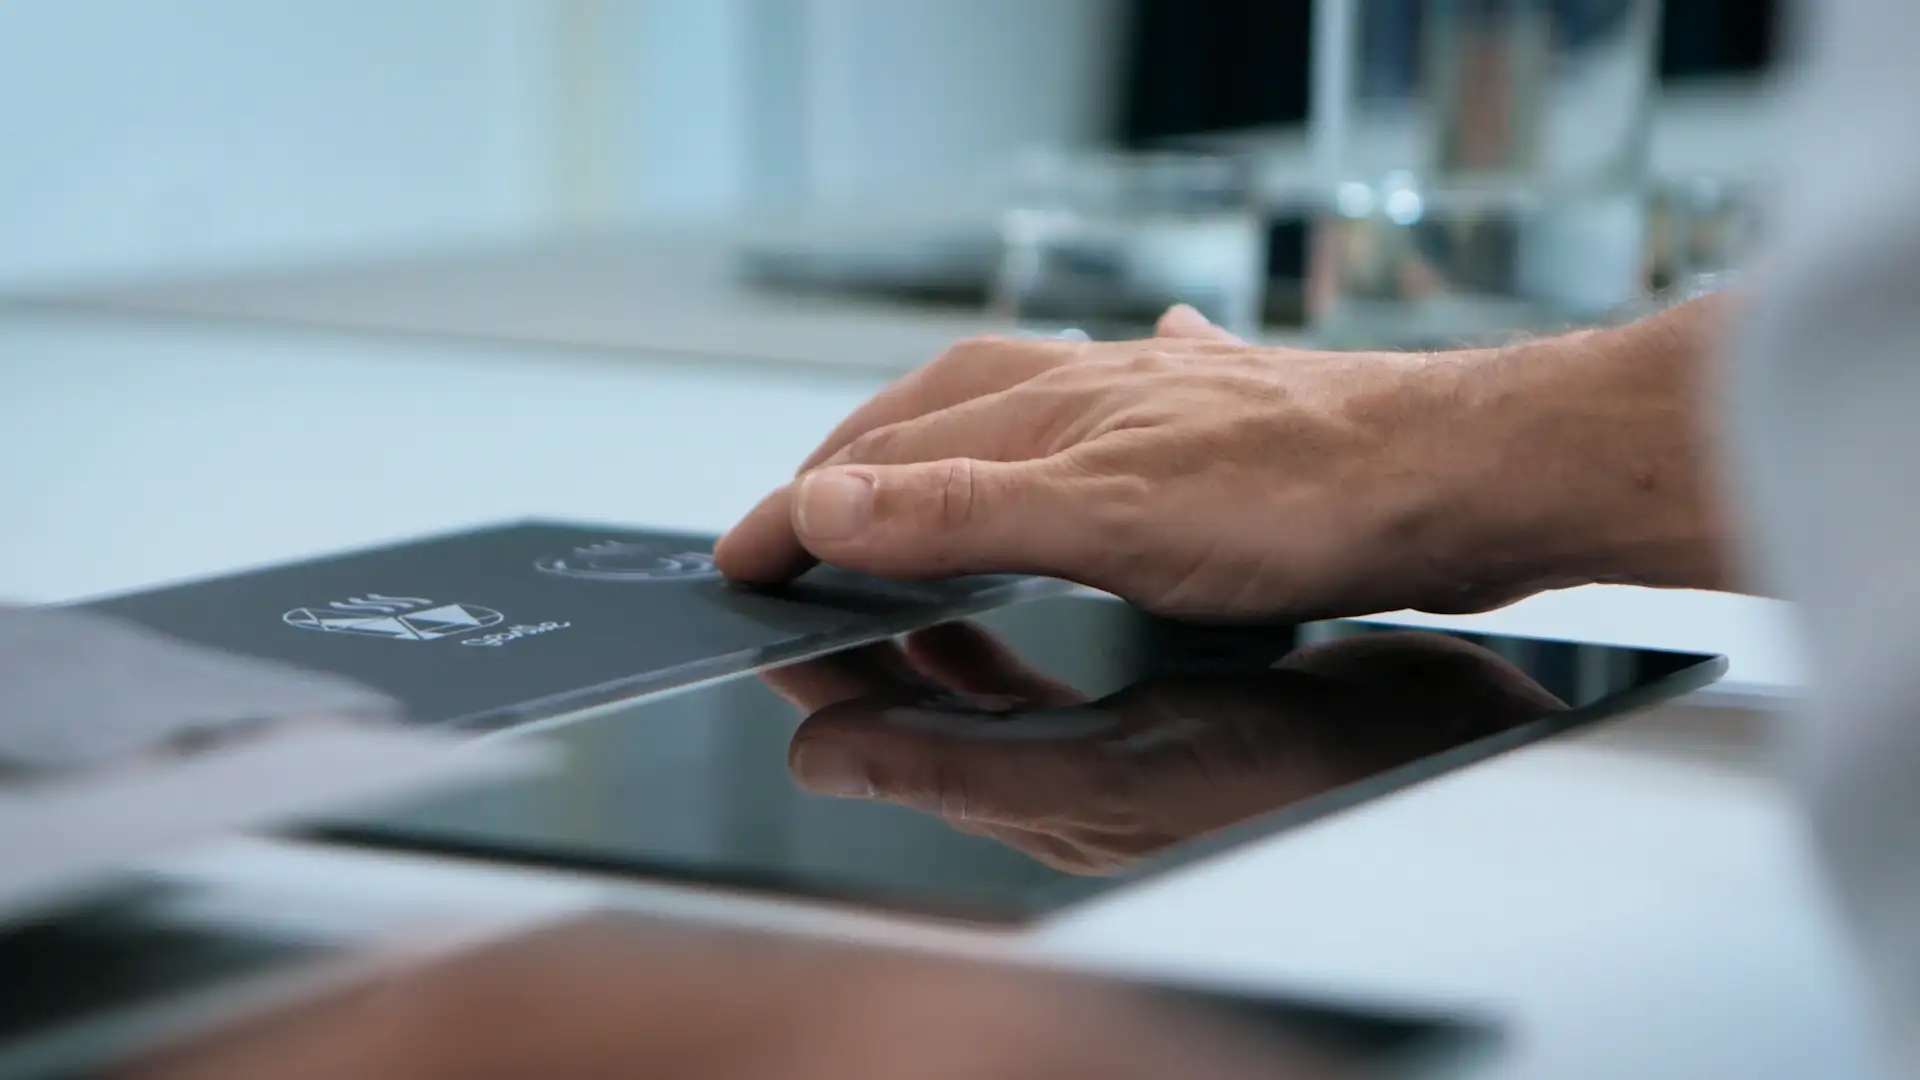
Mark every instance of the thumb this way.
pixel 1185 321
pixel 941 518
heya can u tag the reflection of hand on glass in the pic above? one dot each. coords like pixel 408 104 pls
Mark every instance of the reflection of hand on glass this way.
pixel 1203 478
pixel 954 725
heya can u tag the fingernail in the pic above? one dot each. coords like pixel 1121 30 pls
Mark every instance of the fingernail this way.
pixel 831 770
pixel 835 505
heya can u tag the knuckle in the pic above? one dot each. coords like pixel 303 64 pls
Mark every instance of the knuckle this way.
pixel 1149 361
pixel 1065 376
pixel 873 447
pixel 980 343
pixel 964 358
pixel 983 364
pixel 958 489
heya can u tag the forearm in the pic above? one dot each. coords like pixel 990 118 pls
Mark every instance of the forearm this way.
pixel 1591 456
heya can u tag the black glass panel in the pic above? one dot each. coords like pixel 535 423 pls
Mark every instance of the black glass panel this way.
pixel 1036 755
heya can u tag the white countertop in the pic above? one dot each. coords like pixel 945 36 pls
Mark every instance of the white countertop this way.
pixel 1632 914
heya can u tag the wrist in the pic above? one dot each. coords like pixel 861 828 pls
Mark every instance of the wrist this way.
pixel 1586 458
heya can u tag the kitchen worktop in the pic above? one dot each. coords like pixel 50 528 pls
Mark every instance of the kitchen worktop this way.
pixel 1634 910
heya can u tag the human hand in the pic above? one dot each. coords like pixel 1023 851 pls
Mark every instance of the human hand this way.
pixel 954 725
pixel 1198 476
pixel 608 999
pixel 1192 474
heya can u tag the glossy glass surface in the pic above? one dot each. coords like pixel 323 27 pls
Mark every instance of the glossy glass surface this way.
pixel 1002 768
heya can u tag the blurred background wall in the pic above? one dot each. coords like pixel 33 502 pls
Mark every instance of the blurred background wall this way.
pixel 197 133
pixel 142 135
pixel 139 134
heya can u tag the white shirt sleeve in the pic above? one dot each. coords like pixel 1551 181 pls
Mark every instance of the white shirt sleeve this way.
pixel 1825 425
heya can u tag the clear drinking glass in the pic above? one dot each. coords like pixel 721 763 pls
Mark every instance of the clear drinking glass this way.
pixel 1701 228
pixel 1113 240
pixel 1486 161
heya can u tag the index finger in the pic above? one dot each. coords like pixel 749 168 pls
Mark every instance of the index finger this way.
pixel 973 368
pixel 762 546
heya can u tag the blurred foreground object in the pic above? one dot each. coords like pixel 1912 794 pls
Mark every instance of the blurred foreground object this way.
pixel 118 743
pixel 612 998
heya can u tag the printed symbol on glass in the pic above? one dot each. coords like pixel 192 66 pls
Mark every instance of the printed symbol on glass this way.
pixel 398 618
pixel 626 560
